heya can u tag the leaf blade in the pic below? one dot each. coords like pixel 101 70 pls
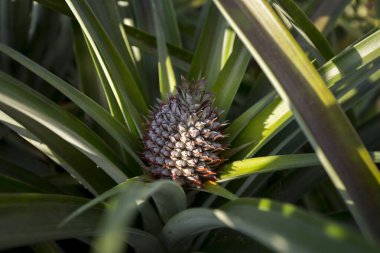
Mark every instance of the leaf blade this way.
pixel 273 163
pixel 165 69
pixel 273 224
pixel 278 43
pixel 32 218
pixel 102 117
pixel 19 97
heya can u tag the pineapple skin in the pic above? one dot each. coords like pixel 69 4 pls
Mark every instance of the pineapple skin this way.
pixel 184 136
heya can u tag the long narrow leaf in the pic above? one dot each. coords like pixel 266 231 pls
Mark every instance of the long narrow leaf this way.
pixel 58 5
pixel 32 218
pixel 88 82
pixel 166 12
pixel 260 129
pixel 19 97
pixel 218 190
pixel 207 58
pixel 181 58
pixel 281 227
pixel 290 139
pixel 124 210
pixel 272 163
pixel 102 117
pixel 351 58
pixel 159 191
pixel 363 80
pixel 229 78
pixel 113 106
pixel 165 69
pixel 118 74
pixel 136 37
pixel 331 9
pixel 307 26
pixel 15 171
pixel 342 65
pixel 63 153
pixel 107 13
pixel 13 185
pixel 343 155
pixel 140 39
pixel 241 122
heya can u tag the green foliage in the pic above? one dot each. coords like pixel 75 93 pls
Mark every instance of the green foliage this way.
pixel 298 82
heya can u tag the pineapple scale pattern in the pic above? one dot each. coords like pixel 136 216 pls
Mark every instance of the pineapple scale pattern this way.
pixel 183 137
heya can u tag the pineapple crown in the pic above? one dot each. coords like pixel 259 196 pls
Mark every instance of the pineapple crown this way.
pixel 193 93
pixel 183 137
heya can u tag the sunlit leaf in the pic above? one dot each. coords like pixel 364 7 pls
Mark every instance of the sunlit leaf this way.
pixel 281 227
pixel 300 85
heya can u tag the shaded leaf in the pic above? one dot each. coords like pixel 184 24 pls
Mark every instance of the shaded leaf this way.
pixel 16 96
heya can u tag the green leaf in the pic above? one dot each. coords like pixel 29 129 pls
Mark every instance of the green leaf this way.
pixel 16 22
pixel 331 9
pixel 343 155
pixel 139 14
pixel 267 164
pixel 290 138
pixel 263 126
pixel 165 69
pixel 102 117
pixel 180 230
pixel 32 218
pixel 88 82
pixel 10 151
pixel 112 103
pixel 58 5
pixel 281 227
pixel 97 88
pixel 340 75
pixel 62 152
pixel 162 192
pixel 46 247
pixel 207 59
pixel 118 73
pixel 272 163
pixel 142 241
pixel 124 210
pixel 229 78
pixel 268 214
pixel 300 18
pixel 351 58
pixel 99 199
pixel 166 13
pixel 170 199
pixel 180 57
pixel 15 96
pixel 151 221
pixel 10 169
pixel 217 190
pixel 107 13
pixel 355 86
pixel 243 120
pixel 10 184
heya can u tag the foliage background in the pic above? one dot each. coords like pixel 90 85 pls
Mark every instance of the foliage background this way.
pixel 78 77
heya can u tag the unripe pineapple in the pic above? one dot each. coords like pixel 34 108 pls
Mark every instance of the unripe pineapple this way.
pixel 183 137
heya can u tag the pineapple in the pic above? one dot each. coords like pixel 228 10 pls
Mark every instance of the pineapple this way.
pixel 183 137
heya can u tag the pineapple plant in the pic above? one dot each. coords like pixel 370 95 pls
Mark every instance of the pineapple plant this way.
pixel 85 165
